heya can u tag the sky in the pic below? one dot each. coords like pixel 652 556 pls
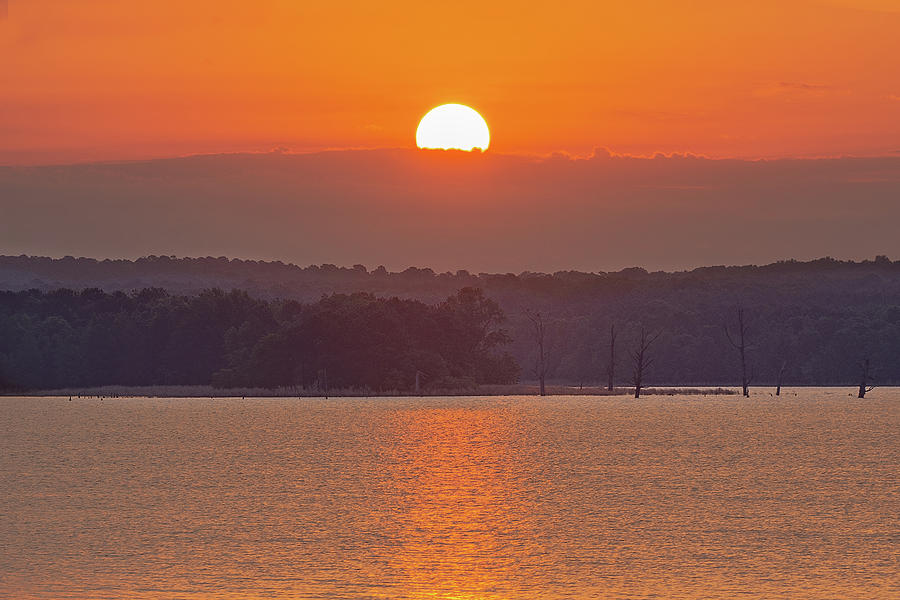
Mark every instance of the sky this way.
pixel 110 80
pixel 664 134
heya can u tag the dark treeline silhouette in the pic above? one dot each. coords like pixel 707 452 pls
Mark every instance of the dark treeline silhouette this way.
pixel 807 323
pixel 89 338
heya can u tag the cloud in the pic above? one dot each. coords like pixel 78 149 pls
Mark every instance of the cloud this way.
pixel 811 87
pixel 450 210
pixel 781 88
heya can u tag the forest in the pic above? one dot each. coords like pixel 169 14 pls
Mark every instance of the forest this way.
pixel 229 339
pixel 807 323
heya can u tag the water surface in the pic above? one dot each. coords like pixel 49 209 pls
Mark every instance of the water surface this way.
pixel 462 498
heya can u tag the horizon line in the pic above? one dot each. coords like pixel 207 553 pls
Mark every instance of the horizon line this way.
pixel 877 259
pixel 597 152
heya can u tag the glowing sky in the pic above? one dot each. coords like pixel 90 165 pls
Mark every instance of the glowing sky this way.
pixel 110 79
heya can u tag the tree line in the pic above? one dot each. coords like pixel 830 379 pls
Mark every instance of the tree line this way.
pixel 805 323
pixel 68 338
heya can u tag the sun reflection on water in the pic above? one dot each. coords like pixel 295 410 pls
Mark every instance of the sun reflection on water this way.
pixel 453 471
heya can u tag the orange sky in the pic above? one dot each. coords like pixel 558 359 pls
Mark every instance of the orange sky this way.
pixel 100 79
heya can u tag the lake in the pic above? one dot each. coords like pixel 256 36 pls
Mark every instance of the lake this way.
pixel 456 498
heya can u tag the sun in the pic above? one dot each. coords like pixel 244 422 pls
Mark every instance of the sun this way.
pixel 453 127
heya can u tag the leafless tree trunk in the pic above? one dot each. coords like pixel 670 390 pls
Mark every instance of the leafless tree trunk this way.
pixel 641 362
pixel 739 341
pixel 864 375
pixel 780 377
pixel 537 322
pixel 323 382
pixel 611 368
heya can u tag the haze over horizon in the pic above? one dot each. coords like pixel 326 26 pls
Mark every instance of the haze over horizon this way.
pixel 451 210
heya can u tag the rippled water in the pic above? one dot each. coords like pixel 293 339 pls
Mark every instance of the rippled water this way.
pixel 462 498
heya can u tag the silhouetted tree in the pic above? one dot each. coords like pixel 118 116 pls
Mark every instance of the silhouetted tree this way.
pixel 537 322
pixel 864 376
pixel 611 367
pixel 739 342
pixel 640 361
pixel 472 325
pixel 780 377
pixel 323 382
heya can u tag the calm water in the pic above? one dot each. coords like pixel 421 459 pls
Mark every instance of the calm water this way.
pixel 473 498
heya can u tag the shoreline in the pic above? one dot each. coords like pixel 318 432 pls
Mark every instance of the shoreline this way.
pixel 201 391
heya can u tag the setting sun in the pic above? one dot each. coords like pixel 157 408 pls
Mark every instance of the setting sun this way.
pixel 453 127
pixel 605 328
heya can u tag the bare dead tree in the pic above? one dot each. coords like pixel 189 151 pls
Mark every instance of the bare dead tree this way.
pixel 739 341
pixel 780 377
pixel 323 382
pixel 640 361
pixel 537 322
pixel 611 367
pixel 864 376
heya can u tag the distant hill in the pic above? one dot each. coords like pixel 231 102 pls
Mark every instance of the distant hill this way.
pixel 819 318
